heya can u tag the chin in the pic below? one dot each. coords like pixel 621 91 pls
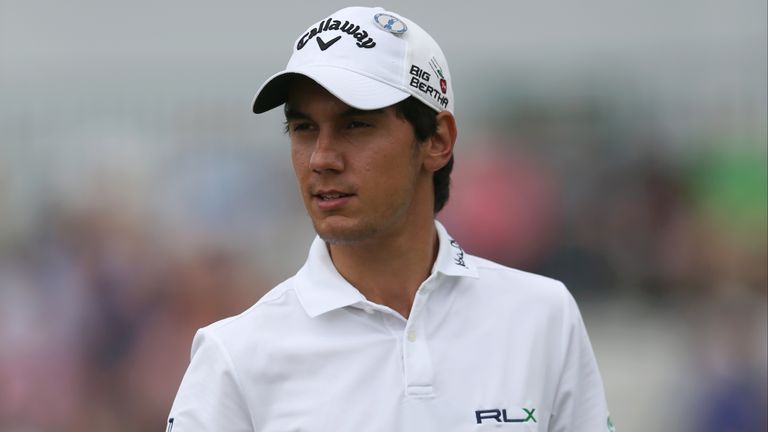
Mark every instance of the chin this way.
pixel 338 230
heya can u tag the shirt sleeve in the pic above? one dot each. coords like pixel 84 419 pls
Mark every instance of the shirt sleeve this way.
pixel 580 404
pixel 209 397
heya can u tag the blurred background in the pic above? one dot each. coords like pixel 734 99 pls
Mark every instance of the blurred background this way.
pixel 618 146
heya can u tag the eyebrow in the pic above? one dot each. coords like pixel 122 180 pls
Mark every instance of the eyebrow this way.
pixel 293 114
pixel 351 112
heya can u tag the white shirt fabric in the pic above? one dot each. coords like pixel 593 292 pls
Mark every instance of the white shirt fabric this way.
pixel 485 348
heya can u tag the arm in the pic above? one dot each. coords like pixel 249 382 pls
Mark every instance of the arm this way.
pixel 580 404
pixel 210 398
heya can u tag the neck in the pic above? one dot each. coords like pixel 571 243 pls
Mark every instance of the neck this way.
pixel 389 270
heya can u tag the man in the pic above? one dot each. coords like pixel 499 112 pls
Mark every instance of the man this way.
pixel 390 325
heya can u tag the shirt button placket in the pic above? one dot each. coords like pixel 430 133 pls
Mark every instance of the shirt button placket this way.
pixel 416 357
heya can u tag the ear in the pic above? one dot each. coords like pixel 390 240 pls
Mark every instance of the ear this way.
pixel 439 147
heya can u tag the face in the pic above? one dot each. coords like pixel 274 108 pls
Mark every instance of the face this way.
pixel 359 172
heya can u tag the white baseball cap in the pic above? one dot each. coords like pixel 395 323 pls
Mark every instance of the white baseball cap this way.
pixel 367 57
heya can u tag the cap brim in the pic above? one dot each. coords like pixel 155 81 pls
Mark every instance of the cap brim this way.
pixel 354 89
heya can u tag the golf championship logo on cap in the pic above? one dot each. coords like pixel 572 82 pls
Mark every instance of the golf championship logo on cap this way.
pixel 390 23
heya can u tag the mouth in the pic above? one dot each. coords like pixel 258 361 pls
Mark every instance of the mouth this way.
pixel 331 199
pixel 329 196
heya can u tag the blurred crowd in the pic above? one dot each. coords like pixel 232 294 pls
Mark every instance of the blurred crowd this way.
pixel 99 302
pixel 96 320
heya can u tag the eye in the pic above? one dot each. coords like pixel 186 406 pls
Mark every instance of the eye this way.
pixel 299 126
pixel 357 124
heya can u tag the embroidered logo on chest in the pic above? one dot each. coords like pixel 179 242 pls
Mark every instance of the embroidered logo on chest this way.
pixel 500 416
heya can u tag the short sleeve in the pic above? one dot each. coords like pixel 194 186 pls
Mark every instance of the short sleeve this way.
pixel 580 404
pixel 209 397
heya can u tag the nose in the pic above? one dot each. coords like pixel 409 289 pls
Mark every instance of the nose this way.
pixel 326 156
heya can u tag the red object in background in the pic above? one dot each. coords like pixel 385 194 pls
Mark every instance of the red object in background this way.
pixel 502 206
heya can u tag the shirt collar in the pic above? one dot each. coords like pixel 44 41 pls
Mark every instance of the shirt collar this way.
pixel 320 287
pixel 451 259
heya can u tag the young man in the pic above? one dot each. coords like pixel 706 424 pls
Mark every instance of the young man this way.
pixel 390 325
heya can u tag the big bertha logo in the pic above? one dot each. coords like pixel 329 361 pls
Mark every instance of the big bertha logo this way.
pixel 420 79
pixel 330 24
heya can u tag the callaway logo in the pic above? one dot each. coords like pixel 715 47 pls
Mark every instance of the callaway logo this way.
pixel 500 416
pixel 325 45
pixel 330 24
pixel 459 258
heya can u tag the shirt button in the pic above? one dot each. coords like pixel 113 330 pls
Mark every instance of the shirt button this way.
pixel 368 310
pixel 411 336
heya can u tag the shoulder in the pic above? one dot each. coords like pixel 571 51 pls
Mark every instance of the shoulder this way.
pixel 518 294
pixel 264 318
pixel 516 298
pixel 497 277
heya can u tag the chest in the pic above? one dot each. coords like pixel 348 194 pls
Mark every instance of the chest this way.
pixel 385 374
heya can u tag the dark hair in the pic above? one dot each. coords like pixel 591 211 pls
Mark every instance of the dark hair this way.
pixel 424 122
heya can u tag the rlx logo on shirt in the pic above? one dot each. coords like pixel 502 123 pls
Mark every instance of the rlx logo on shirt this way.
pixel 500 416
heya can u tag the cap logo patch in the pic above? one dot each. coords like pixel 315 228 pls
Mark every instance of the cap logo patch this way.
pixel 330 24
pixel 439 72
pixel 390 23
pixel 420 80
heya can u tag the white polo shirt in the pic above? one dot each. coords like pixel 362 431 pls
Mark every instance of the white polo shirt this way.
pixel 485 348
